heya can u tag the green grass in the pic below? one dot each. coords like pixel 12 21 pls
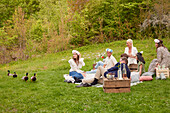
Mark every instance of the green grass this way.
pixel 50 94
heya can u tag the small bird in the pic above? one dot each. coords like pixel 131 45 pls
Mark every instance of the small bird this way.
pixel 25 77
pixel 33 78
pixel 9 74
pixel 15 75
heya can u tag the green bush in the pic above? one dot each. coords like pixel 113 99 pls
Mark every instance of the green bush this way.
pixel 51 26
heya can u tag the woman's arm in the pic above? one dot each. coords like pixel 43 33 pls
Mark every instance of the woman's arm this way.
pixel 136 51
pixel 159 55
pixel 81 62
pixel 79 56
pixel 126 50
pixel 140 70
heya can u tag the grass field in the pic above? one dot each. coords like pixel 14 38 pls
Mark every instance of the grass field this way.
pixel 50 94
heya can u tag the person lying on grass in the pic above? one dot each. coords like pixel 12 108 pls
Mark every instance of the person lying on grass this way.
pixel 76 63
pixel 110 61
pixel 102 72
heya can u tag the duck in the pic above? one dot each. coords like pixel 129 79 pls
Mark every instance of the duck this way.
pixel 25 77
pixel 33 78
pixel 9 74
pixel 14 75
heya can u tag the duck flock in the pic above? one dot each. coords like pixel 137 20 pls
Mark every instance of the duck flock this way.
pixel 25 78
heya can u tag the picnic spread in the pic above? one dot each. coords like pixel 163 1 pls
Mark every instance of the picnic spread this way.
pixel 119 76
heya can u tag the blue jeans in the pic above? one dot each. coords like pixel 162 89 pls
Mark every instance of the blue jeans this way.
pixel 92 71
pixel 75 74
pixel 100 63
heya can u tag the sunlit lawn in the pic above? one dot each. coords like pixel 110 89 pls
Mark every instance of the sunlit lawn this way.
pixel 50 94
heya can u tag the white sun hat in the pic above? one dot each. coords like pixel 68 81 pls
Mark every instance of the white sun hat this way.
pixel 156 41
pixel 75 51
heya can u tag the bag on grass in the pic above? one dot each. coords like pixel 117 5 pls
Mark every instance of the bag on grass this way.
pixel 134 77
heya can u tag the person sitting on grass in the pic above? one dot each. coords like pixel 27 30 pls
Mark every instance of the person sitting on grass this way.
pixel 110 61
pixel 135 76
pixel 141 63
pixel 76 63
pixel 102 72
pixel 163 56
pixel 131 52
pixel 121 64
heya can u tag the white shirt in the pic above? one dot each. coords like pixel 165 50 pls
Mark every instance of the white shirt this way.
pixel 110 62
pixel 75 67
pixel 133 52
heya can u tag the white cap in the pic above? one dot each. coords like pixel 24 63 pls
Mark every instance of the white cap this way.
pixel 141 52
pixel 156 41
pixel 75 51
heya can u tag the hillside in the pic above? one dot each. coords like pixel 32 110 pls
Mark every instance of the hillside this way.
pixel 50 94
pixel 31 27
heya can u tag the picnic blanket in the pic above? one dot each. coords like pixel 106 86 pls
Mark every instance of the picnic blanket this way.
pixel 69 78
pixel 134 79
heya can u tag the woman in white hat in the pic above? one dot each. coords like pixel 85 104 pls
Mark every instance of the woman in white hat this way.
pixel 163 57
pixel 76 63
pixel 131 52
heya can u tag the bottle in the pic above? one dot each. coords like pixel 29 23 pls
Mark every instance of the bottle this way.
pixel 124 71
pixel 120 73
pixel 159 67
pixel 163 66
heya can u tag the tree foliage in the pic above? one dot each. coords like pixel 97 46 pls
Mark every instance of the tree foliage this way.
pixel 29 27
